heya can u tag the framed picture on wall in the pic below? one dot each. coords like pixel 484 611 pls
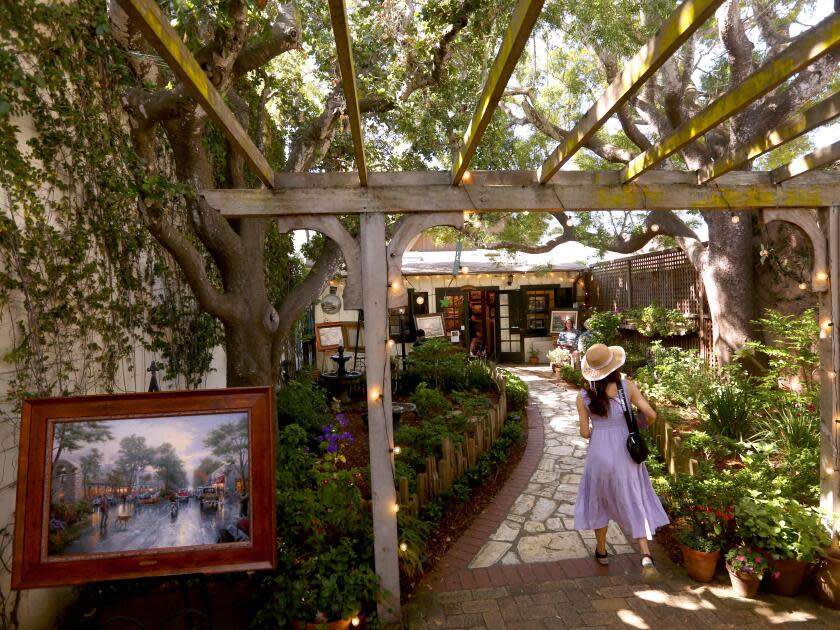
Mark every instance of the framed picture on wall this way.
pixel 558 320
pixel 329 336
pixel 352 332
pixel 431 325
pixel 135 485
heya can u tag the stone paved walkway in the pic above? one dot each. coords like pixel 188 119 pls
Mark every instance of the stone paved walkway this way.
pixel 540 524
pixel 538 578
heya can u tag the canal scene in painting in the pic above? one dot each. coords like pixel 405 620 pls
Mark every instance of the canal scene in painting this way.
pixel 126 485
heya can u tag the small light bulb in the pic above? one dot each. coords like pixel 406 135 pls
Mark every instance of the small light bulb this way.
pixel 420 299
pixel 390 343
pixel 803 286
pixel 468 177
pixel 654 227
pixel 465 269
pixel 396 507
pixel 397 450
pixel 735 218
pixel 355 621
pixel 822 276
pixel 394 285
pixel 403 547
pixel 831 375
pixel 374 394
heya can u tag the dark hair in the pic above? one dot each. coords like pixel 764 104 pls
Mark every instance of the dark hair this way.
pixel 599 402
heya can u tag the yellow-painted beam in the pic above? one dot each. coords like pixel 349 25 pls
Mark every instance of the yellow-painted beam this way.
pixel 682 23
pixel 163 38
pixel 822 156
pixel 341 32
pixel 813 117
pixel 521 24
pixel 802 52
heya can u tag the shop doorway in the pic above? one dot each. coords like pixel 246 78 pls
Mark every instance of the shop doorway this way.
pixel 469 311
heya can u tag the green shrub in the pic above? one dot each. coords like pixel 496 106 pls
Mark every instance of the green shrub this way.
pixel 477 376
pixel 710 447
pixel 324 540
pixel 571 375
pixel 675 375
pixel 795 476
pixel 792 358
pixel 604 328
pixel 791 428
pixel 516 391
pixel 414 533
pixel 430 402
pixel 303 403
pixel 727 411
pixel 438 363
pixel 782 527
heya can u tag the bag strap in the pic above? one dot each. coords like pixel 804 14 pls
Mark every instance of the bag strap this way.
pixel 629 416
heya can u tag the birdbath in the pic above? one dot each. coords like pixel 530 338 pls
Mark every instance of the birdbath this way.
pixel 338 382
pixel 398 409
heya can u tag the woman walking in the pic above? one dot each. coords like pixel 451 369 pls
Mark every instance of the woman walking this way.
pixel 613 487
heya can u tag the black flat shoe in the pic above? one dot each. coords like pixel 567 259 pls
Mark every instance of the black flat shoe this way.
pixel 602 558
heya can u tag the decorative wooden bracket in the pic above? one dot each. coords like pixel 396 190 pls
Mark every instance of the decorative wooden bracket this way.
pixel 406 232
pixel 331 227
pixel 807 220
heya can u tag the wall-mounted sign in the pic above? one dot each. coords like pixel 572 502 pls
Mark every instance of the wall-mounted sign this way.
pixel 134 485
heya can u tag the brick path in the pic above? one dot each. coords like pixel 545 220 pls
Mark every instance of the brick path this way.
pixel 508 571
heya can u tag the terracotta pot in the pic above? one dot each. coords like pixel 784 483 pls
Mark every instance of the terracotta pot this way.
pixel 827 580
pixel 791 576
pixel 744 584
pixel 700 565
pixel 341 624
pixel 534 360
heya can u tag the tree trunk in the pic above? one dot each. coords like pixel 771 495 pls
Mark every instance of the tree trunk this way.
pixel 727 275
pixel 248 350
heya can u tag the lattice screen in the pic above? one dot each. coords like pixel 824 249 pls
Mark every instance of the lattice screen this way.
pixel 663 278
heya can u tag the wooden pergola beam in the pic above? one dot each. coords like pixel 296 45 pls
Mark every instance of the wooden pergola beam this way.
pixel 341 32
pixel 521 24
pixel 681 25
pixel 163 38
pixel 821 113
pixel 406 192
pixel 817 158
pixel 802 52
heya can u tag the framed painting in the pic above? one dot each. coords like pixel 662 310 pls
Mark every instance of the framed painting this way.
pixel 134 485
pixel 329 336
pixel 558 320
pixel 431 324
pixel 352 332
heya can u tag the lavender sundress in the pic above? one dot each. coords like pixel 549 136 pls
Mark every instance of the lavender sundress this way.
pixel 614 487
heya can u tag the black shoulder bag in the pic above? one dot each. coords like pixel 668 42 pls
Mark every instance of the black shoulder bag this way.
pixel 636 445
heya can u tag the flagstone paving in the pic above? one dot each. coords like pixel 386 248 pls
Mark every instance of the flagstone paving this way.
pixel 539 526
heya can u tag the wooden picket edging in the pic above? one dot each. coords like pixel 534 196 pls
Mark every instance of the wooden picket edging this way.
pixel 441 473
pixel 676 459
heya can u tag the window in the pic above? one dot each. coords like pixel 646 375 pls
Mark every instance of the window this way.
pixel 538 306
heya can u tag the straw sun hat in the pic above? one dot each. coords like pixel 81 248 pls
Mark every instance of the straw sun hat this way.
pixel 601 360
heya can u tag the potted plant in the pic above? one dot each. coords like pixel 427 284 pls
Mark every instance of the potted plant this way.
pixel 702 538
pixel 700 555
pixel 559 357
pixel 791 533
pixel 746 567
pixel 533 356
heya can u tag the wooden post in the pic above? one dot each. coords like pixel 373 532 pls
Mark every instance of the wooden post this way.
pixel 380 422
pixel 829 348
pixel 422 489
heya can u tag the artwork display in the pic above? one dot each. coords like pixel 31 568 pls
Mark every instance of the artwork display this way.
pixel 351 330
pixel 431 325
pixel 558 320
pixel 329 336
pixel 144 484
